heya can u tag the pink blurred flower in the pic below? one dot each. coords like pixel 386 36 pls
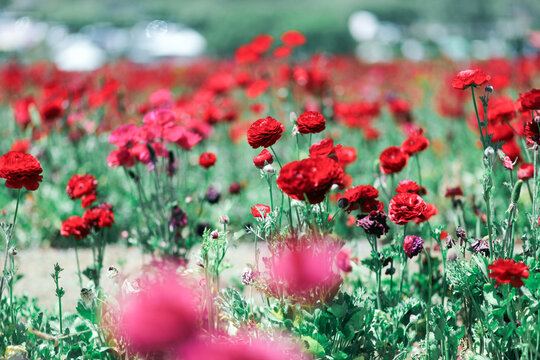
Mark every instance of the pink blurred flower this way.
pixel 160 317
pixel 244 349
pixel 305 271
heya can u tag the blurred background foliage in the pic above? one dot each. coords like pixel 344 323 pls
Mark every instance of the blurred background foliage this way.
pixel 227 23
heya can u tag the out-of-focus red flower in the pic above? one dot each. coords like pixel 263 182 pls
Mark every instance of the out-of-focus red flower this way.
pixel 160 317
pixel 507 271
pixel 525 171
pixel 405 207
pixel 393 160
pixel 346 155
pixel 99 216
pixel 52 109
pixel 246 54
pixel 207 160
pixel 82 187
pixel 310 178
pixel 282 52
pixel 257 88
pixel 123 136
pixel 264 132
pixel 261 43
pixel 21 111
pixel 530 100
pixel 293 38
pixel 20 145
pixel 265 157
pixel 310 122
pixel 453 192
pixel 20 169
pixel 260 210
pixel 415 144
pixel 120 157
pixel 343 259
pixel 76 227
pixel 470 77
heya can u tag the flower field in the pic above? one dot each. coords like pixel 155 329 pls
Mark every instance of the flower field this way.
pixel 384 210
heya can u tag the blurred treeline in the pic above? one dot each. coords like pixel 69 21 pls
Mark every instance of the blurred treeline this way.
pixel 227 23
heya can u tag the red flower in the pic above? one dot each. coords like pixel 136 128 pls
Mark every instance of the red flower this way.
pixel 470 77
pixel 123 135
pixel 311 178
pixel 52 109
pixel 75 226
pixel 282 52
pixel 293 38
pixel 346 155
pixel 264 132
pixel 525 171
pixel 530 100
pixel 99 216
pixel 453 191
pixel 265 157
pixel 257 88
pixel 207 160
pixel 393 160
pixel 20 145
pixel 260 210
pixel 431 210
pixel 20 169
pixel 507 271
pixel 82 187
pixel 363 197
pixel 310 122
pixel 414 144
pixel 409 186
pixel 261 43
pixel 324 148
pixel 120 157
pixel 532 132
pixel 405 207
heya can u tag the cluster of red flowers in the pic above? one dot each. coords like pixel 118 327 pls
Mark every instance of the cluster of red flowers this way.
pixel 394 159
pixel 96 217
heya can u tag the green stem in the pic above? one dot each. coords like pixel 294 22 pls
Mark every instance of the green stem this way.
pixel 78 266
pixel 8 244
pixel 480 127
pixel 417 157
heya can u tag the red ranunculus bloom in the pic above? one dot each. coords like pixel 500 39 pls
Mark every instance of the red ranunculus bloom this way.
pixel 20 169
pixel 470 77
pixel 293 38
pixel 311 122
pixel 393 160
pixel 264 132
pixel 261 43
pixel 525 171
pixel 414 144
pixel 431 210
pixel 530 100
pixel 82 187
pixel 324 148
pixel 260 210
pixel 282 52
pixel 346 155
pixel 405 207
pixel 265 157
pixel 99 216
pixel 363 197
pixel 409 186
pixel 75 226
pixel 507 271
pixel 532 132
pixel 207 160
pixel 311 178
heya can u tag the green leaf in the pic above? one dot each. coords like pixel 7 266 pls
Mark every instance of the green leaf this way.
pixel 313 346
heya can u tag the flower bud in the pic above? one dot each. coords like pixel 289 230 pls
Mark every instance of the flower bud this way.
pixel 489 89
pixel 269 169
pixel 224 219
pixel 214 234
